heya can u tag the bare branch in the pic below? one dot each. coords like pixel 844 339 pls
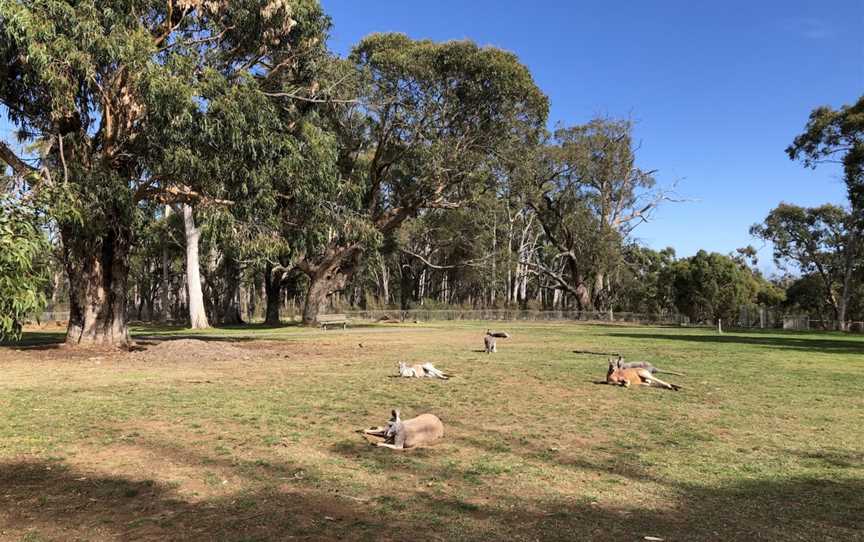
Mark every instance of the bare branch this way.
pixel 557 277
pixel 468 263
pixel 177 194
pixel 295 96
pixel 63 160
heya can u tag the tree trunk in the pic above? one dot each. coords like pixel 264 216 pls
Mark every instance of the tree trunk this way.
pixel 197 315
pixel 329 275
pixel 149 306
pixel 600 294
pixel 316 296
pixel 846 289
pixel 385 284
pixel 231 302
pixel 165 289
pixel 98 272
pixel 406 285
pixel 56 286
pixel 273 290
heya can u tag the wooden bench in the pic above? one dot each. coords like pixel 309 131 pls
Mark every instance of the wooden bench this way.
pixel 333 320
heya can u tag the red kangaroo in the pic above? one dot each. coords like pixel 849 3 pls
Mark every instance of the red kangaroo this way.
pixel 625 377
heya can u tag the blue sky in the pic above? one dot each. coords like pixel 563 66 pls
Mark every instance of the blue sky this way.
pixel 718 89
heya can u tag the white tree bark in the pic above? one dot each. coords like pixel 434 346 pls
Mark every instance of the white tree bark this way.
pixel 164 310
pixel 197 316
pixel 385 283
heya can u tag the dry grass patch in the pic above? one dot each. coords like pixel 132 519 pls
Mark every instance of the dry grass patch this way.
pixel 250 434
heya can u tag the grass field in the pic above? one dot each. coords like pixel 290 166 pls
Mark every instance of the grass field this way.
pixel 250 434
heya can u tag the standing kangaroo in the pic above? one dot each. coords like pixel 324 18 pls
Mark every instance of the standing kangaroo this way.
pixel 489 340
pixel 489 343
pixel 426 370
pixel 620 376
pixel 399 434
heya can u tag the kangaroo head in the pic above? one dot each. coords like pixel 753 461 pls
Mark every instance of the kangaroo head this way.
pixel 394 425
pixel 402 366
pixel 612 373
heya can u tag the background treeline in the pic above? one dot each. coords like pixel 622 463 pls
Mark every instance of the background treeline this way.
pixel 208 161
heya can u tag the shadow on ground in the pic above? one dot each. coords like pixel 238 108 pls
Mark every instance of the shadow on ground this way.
pixel 827 346
pixel 45 339
pixel 48 500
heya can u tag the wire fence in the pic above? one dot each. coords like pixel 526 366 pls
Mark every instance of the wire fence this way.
pixel 748 318
pixel 508 315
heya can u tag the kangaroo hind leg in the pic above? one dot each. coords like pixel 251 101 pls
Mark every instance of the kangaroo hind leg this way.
pixel 653 380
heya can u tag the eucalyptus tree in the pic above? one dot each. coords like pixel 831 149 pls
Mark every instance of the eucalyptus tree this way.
pixel 825 240
pixel 711 286
pixel 836 136
pixel 818 242
pixel 644 280
pixel 23 270
pixel 588 193
pixel 112 91
pixel 425 125
pixel 445 255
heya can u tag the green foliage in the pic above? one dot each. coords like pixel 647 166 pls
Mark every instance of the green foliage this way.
pixel 588 194
pixel 24 252
pixel 807 294
pixel 645 280
pixel 812 239
pixel 830 134
pixel 436 114
pixel 137 102
pixel 820 242
pixel 710 286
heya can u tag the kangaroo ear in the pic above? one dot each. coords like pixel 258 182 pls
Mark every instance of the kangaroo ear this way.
pixel 394 414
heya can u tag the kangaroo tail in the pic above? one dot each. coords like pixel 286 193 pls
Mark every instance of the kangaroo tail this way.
pixel 664 371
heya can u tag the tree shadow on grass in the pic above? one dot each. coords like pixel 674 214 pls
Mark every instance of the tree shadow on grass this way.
pixel 827 346
pixel 49 500
pixel 37 340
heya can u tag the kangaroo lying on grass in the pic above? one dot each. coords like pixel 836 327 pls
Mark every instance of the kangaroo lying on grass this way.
pixel 399 434
pixel 426 370
pixel 489 340
pixel 621 376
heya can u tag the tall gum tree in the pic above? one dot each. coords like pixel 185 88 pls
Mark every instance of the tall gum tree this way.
pixel 821 242
pixel 836 136
pixel 588 195
pixel 425 126
pixel 109 91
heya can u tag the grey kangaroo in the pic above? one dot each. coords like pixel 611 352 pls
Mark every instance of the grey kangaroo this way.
pixel 399 434
pixel 489 340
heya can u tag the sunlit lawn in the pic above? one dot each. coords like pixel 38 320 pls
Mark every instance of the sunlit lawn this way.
pixel 258 441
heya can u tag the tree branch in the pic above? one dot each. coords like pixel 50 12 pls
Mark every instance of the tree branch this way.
pixel 19 166
pixel 296 96
pixel 469 263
